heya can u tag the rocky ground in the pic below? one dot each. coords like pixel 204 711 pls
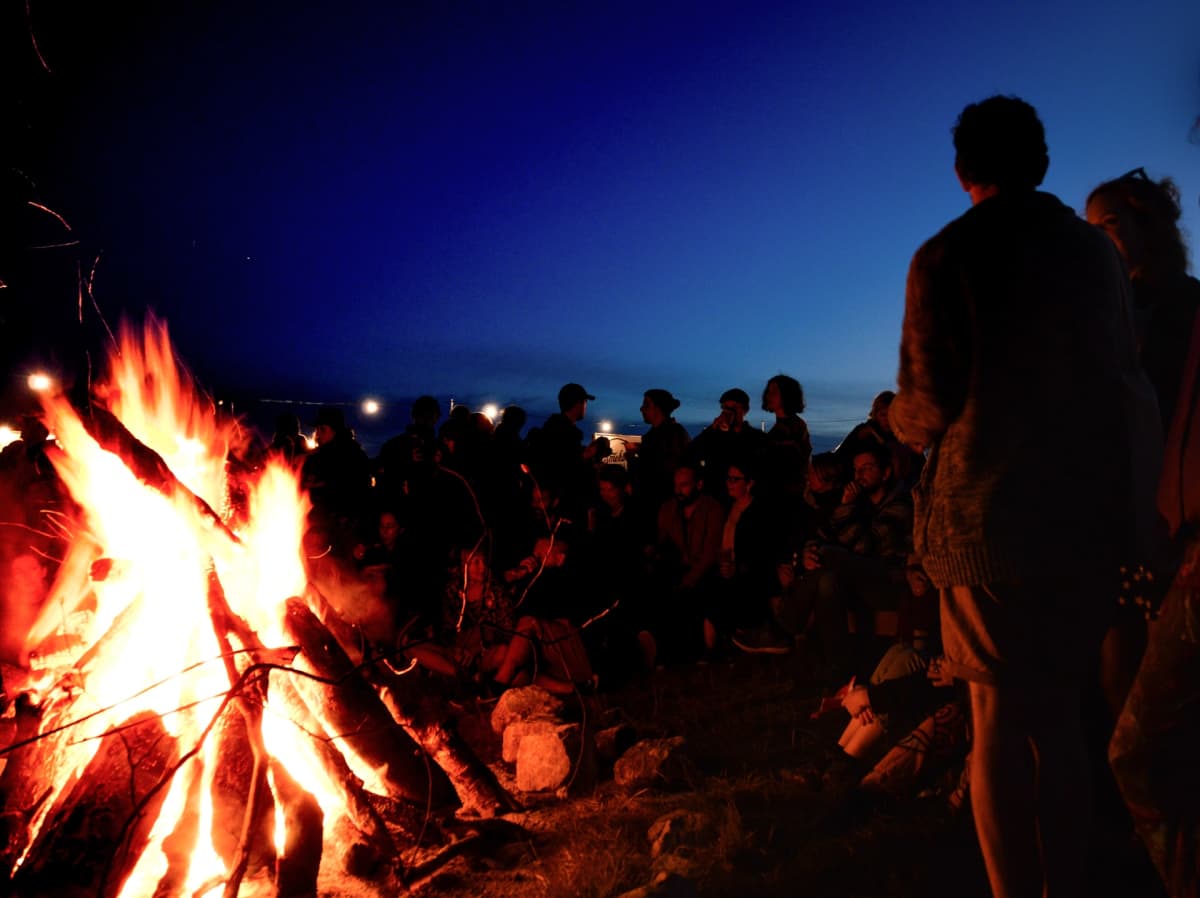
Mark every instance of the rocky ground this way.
pixel 745 812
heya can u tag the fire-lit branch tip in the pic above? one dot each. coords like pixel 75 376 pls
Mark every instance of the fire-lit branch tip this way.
pixel 50 211
pixel 33 39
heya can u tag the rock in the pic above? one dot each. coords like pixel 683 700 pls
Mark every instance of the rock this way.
pixel 556 757
pixel 524 703
pixel 683 832
pixel 613 742
pixel 655 762
pixel 515 732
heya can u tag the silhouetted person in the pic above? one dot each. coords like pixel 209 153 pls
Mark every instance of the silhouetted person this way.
pixel 729 437
pixel 337 476
pixel 661 451
pixel 1141 217
pixel 788 448
pixel 1017 347
pixel 557 456
pixel 287 441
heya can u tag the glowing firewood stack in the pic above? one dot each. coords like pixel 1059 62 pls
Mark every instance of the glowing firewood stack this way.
pixel 210 734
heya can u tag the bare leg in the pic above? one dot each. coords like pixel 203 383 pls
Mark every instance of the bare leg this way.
pixel 1029 789
pixel 520 652
pixel 1003 795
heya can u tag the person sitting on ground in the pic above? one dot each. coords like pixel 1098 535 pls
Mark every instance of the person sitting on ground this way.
pixel 729 436
pixel 855 566
pixel 614 569
pixel 684 564
pixel 379 559
pixel 749 547
pixel 661 451
pixel 477 625
pixel 877 429
pixel 546 649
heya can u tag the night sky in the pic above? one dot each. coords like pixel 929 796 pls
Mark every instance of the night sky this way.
pixel 486 200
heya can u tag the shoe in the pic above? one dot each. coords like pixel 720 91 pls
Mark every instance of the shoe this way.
pixel 762 641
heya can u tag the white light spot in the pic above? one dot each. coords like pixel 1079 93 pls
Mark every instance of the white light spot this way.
pixel 370 407
pixel 39 382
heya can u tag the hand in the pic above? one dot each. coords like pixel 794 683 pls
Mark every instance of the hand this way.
pixel 721 422
pixel 851 492
pixel 857 702
pixel 812 557
pixel 937 674
pixel 786 574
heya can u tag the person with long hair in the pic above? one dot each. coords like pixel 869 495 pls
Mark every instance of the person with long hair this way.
pixel 1141 217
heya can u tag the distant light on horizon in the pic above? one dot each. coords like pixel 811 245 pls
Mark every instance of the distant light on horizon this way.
pixel 39 382
pixel 606 426
pixel 8 435
pixel 491 410
pixel 370 407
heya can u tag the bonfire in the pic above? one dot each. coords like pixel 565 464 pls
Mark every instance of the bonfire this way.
pixel 200 720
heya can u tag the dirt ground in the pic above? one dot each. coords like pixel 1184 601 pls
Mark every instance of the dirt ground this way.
pixel 779 829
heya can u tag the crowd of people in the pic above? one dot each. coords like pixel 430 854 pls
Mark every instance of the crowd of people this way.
pixel 688 550
pixel 995 518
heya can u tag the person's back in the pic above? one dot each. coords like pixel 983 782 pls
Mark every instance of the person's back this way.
pixel 1018 369
pixel 1043 349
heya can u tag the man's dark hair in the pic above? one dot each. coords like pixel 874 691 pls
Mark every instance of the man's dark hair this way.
pixel 614 474
pixel 1000 141
pixel 878 451
pixel 426 409
pixel 790 392
pixel 741 397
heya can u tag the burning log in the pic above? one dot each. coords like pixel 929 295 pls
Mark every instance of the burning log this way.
pixel 357 716
pixel 300 860
pixel 98 829
pixel 479 792
pixel 350 791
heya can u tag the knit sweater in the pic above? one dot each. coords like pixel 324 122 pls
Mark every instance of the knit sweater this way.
pixel 1017 366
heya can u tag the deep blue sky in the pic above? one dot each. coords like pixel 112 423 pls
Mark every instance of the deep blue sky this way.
pixel 488 200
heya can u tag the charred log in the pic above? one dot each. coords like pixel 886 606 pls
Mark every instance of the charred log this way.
pixel 297 866
pixel 233 784
pixel 96 831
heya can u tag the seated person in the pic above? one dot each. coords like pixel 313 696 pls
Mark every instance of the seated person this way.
pixel 855 565
pixel 749 546
pixel 478 622
pixel 614 569
pixel 684 564
pixel 546 649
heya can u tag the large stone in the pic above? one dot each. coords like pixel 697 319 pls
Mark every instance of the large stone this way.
pixel 561 757
pixel 524 703
pixel 655 762
pixel 515 732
